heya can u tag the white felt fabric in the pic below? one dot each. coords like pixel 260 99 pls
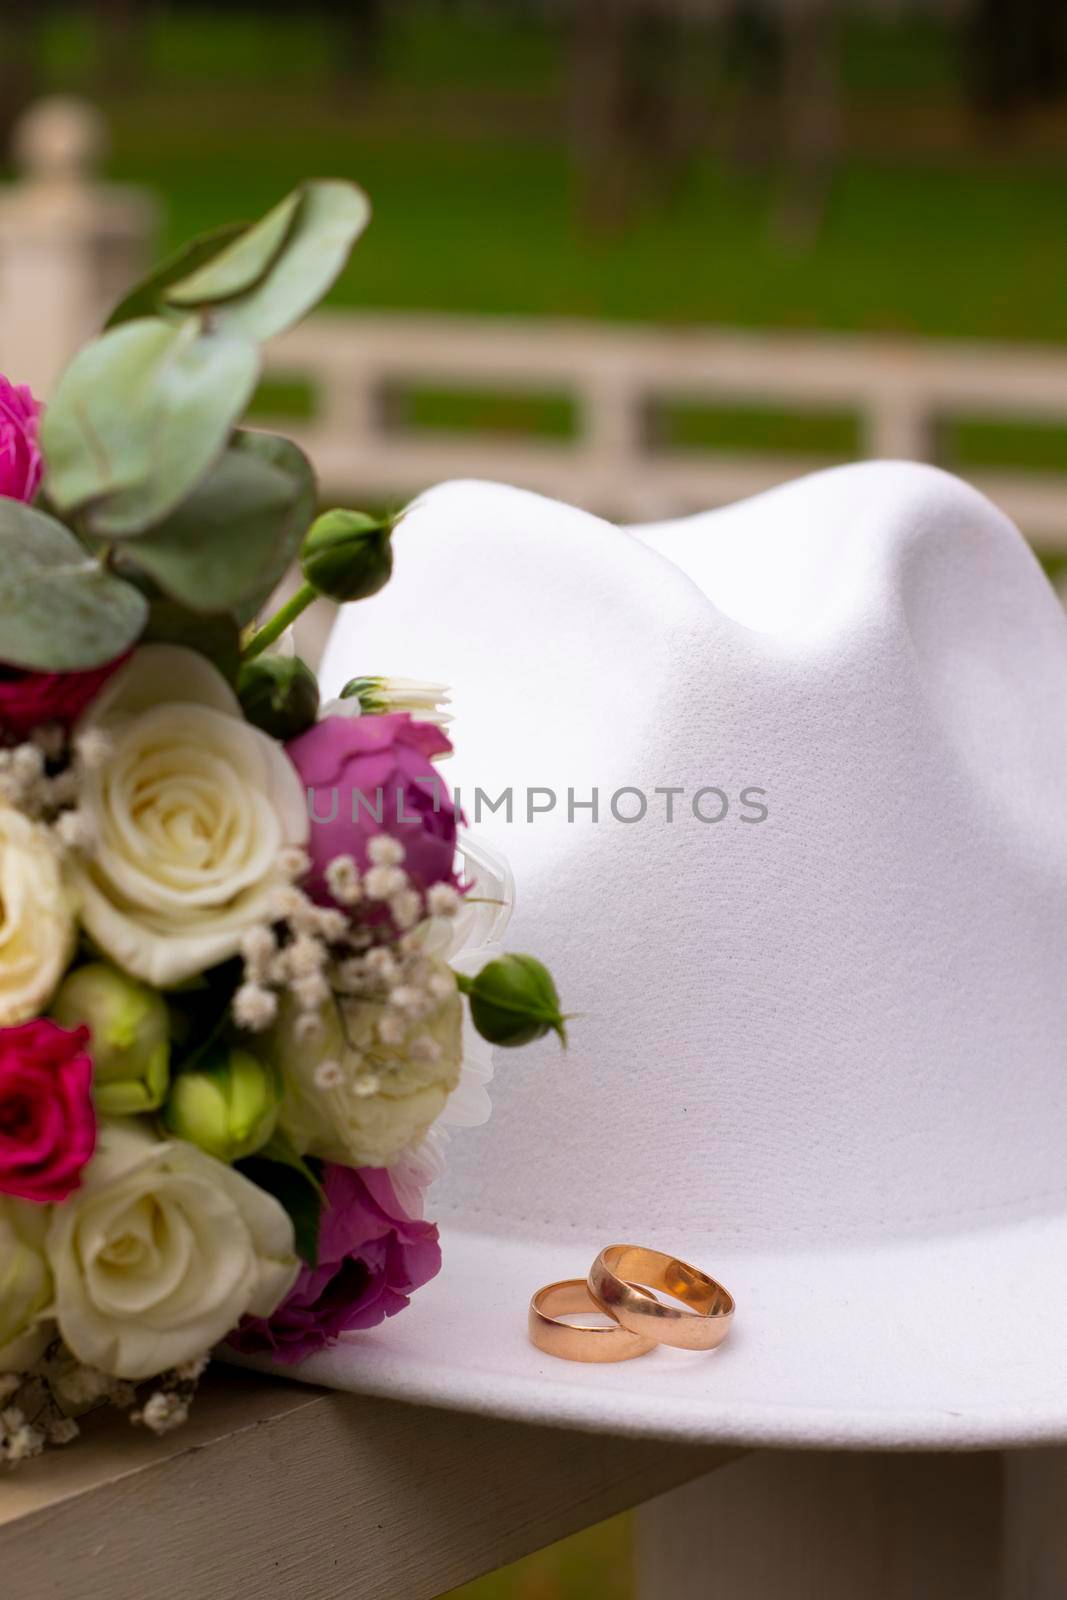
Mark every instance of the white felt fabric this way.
pixel 824 1054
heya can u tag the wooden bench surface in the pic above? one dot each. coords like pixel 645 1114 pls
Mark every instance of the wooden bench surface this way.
pixel 274 1491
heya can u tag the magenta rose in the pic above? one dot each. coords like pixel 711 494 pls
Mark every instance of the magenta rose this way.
pixel 369 775
pixel 47 1124
pixel 372 1257
pixel 20 458
pixel 28 699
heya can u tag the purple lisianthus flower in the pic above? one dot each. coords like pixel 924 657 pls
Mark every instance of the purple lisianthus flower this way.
pixel 370 775
pixel 20 457
pixel 372 1257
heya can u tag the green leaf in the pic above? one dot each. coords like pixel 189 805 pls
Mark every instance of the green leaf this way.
pixel 145 299
pixel 139 417
pixel 241 264
pixel 330 218
pixel 201 1012
pixel 288 458
pixel 60 610
pixel 280 1148
pixel 228 545
pixel 296 1185
pixel 215 634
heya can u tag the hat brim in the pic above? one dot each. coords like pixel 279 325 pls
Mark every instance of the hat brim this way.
pixel 948 1343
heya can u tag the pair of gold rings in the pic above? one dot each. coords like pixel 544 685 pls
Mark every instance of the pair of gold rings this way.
pixel 620 1284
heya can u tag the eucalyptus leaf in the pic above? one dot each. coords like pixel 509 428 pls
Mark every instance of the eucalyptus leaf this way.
pixel 231 541
pixel 145 299
pixel 290 459
pixel 138 419
pixel 241 264
pixel 215 634
pixel 330 218
pixel 60 609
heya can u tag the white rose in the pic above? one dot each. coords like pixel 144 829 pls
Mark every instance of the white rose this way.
pixel 161 1252
pixel 382 1098
pixel 25 1283
pixel 36 920
pixel 190 811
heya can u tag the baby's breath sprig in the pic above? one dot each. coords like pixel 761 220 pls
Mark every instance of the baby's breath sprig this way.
pixel 350 951
pixel 169 1404
pixel 19 1439
pixel 35 1408
pixel 44 778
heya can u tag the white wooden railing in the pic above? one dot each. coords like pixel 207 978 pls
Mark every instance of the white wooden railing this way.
pixel 614 376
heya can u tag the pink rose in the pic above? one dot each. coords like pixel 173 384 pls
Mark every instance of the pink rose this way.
pixel 369 775
pixel 28 699
pixel 20 459
pixel 372 1257
pixel 47 1123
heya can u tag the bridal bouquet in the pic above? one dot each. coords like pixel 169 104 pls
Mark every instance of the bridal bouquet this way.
pixel 248 971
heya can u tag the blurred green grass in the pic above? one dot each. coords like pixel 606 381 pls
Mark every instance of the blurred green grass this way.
pixel 486 226
pixel 593 1565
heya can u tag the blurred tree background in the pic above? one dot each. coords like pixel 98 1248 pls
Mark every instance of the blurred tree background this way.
pixel 881 165
pixel 885 165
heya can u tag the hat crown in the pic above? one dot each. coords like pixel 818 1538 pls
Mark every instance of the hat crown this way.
pixel 843 1019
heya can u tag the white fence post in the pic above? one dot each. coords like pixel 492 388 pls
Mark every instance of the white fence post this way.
pixel 897 426
pixel 69 245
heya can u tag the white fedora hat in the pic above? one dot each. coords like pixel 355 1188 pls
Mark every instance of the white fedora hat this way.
pixel 821 1042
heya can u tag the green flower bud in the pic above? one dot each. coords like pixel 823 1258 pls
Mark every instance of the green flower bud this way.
pixel 278 694
pixel 130 1041
pixel 513 1001
pixel 227 1104
pixel 347 555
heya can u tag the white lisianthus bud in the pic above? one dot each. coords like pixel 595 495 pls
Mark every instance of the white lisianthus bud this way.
pixel 425 701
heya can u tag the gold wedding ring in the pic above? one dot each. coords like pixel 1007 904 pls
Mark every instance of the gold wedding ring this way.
pixel 614 1280
pixel 574 1341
